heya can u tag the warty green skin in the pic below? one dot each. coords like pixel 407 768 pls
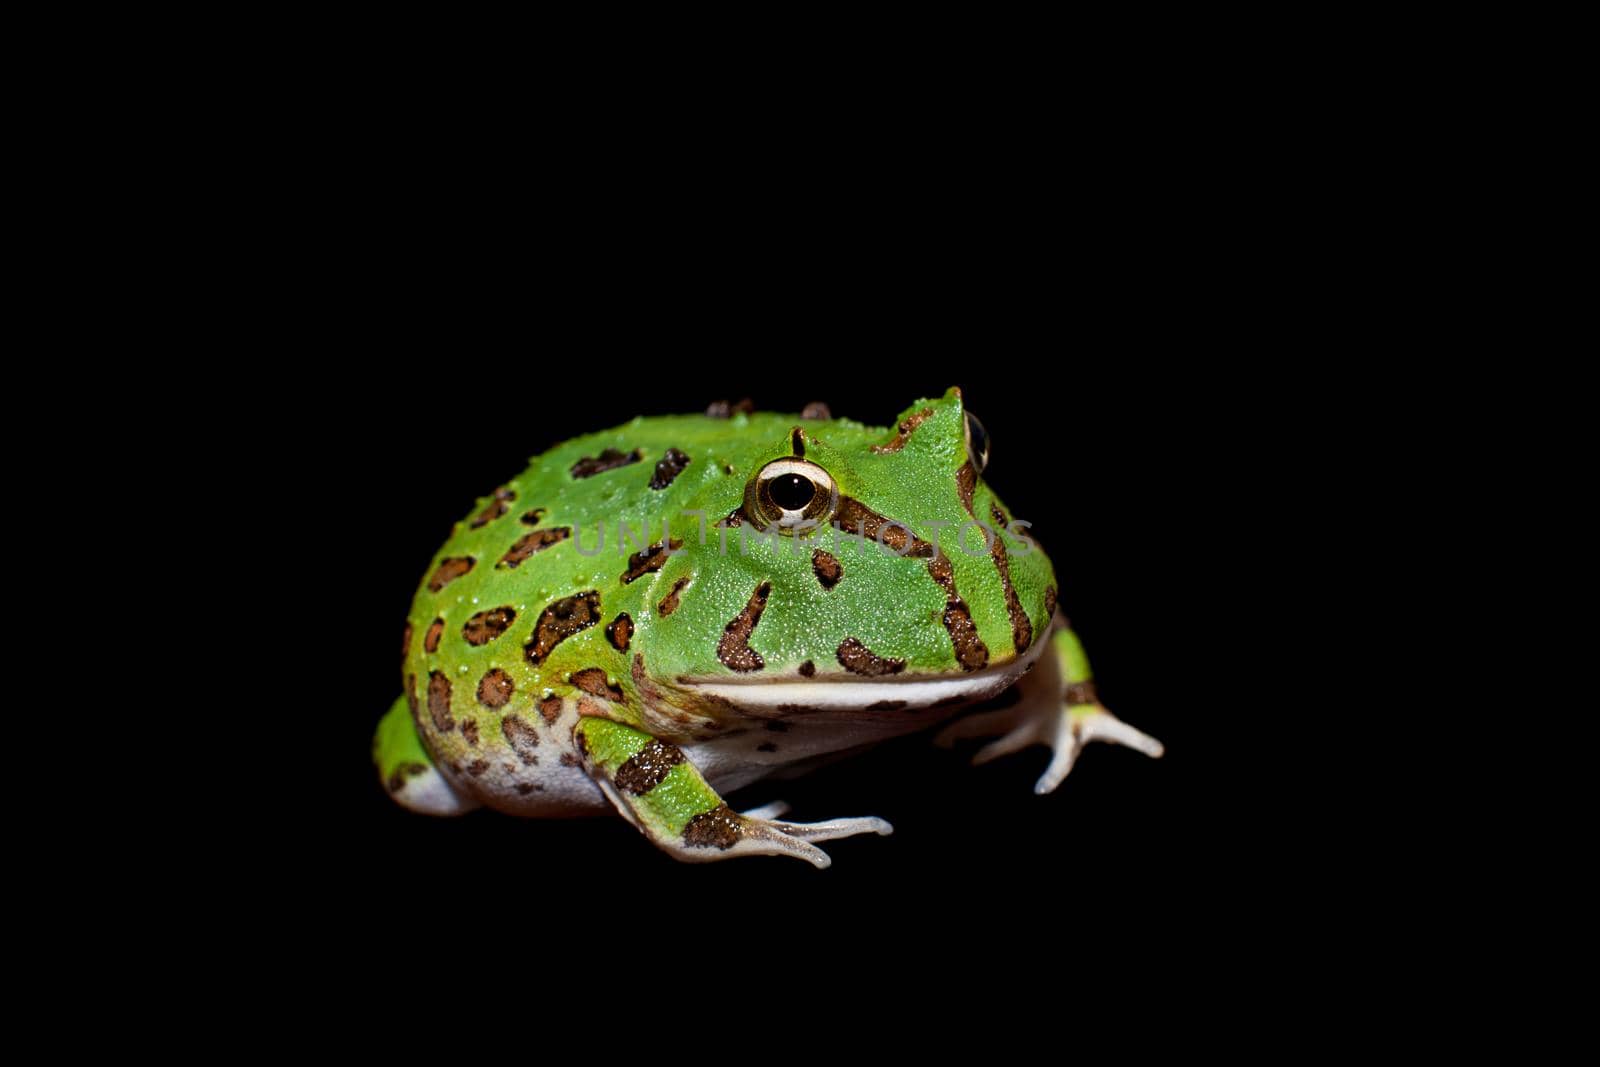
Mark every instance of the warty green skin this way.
pixel 577 727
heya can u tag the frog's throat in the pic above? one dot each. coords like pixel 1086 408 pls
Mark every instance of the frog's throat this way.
pixel 850 694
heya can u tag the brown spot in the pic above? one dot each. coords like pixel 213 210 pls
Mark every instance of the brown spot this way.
pixel 411 696
pixel 907 425
pixel 449 570
pixel 469 730
pixel 766 746
pixel 816 410
pixel 405 646
pixel 560 621
pixel 670 603
pixel 721 409
pixel 971 652
pixel 485 626
pixel 667 468
pixel 649 560
pixel 477 767
pixel 1021 628
pixel 859 659
pixel 524 788
pixel 1049 604
pixel 531 518
pixel 592 680
pixel 439 702
pixel 887 705
pixel 397 780
pixel 717 828
pixel 827 568
pixel 807 669
pixel 430 640
pixel 733 518
pixel 1080 693
pixel 619 631
pixel 734 649
pixel 966 485
pixel 609 460
pixel 644 771
pixel 522 738
pixel 537 541
pixel 798 440
pixel 495 689
pixel 498 506
pixel 550 708
pixel 855 517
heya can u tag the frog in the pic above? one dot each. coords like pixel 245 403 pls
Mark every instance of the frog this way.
pixel 652 617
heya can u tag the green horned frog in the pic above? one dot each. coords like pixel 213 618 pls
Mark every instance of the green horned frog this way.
pixel 650 617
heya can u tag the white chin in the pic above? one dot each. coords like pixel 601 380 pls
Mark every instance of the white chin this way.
pixel 852 694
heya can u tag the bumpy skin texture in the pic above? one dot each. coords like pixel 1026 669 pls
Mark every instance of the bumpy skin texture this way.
pixel 526 636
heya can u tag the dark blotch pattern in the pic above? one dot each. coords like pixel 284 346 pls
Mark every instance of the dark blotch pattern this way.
pixel 1080 693
pixel 550 709
pixel 721 409
pixel 816 410
pixel 560 621
pixel 649 560
pixel 495 689
pixel 827 569
pixel 645 770
pixel 619 631
pixel 767 746
pixel 397 780
pixel 592 680
pixel 469 730
pixel 411 697
pixel 670 603
pixel 531 518
pixel 498 506
pixel 477 767
pixel 777 726
pixel 734 649
pixel 856 518
pixel 887 705
pixel 717 828
pixel 859 659
pixel 405 646
pixel 668 467
pixel 1050 604
pixel 907 426
pixel 449 570
pixel 439 702
pixel 966 485
pixel 537 541
pixel 807 669
pixel 430 640
pixel 609 460
pixel 1021 627
pixel 971 652
pixel 522 738
pixel 485 626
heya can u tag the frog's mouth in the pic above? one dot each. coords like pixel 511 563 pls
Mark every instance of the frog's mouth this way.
pixel 850 693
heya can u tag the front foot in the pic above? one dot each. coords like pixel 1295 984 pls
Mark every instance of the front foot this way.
pixel 655 787
pixel 1058 708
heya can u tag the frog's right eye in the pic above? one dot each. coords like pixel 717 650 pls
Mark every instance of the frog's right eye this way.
pixel 791 494
pixel 977 443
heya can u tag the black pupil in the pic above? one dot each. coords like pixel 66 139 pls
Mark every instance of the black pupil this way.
pixel 792 492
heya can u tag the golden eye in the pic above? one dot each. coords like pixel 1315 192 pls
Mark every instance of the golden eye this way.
pixel 977 443
pixel 792 494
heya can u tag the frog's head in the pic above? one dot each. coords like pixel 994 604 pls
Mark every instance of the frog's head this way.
pixel 853 567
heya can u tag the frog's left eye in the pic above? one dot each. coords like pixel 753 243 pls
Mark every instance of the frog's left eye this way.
pixel 791 494
pixel 977 443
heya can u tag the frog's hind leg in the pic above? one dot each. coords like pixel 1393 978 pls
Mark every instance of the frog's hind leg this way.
pixel 656 788
pixel 1058 707
pixel 406 770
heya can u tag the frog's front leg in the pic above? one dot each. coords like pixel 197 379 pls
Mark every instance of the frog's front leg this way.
pixel 1059 708
pixel 655 787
